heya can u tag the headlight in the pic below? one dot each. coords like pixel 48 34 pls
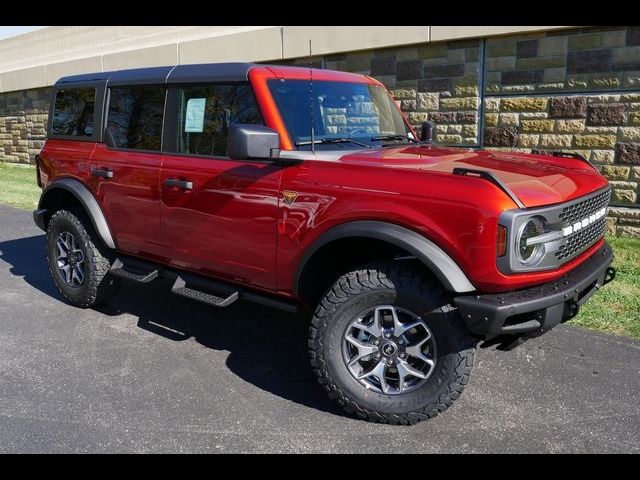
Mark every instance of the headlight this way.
pixel 530 254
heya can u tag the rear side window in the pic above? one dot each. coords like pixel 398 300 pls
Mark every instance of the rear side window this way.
pixel 135 117
pixel 73 112
pixel 205 113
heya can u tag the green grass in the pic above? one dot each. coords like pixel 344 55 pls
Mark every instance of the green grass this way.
pixel 614 309
pixel 18 186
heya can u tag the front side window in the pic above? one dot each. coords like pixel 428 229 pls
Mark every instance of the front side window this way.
pixel 73 112
pixel 135 117
pixel 360 112
pixel 205 113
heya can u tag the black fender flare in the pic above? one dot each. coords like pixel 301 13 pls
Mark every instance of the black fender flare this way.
pixel 442 265
pixel 87 200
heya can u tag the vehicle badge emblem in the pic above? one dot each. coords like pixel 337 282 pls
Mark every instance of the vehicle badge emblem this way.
pixel 290 196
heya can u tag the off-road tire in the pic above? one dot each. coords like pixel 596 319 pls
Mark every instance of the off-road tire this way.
pixel 98 285
pixel 390 283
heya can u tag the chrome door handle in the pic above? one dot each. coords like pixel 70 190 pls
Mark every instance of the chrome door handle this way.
pixel 102 173
pixel 181 184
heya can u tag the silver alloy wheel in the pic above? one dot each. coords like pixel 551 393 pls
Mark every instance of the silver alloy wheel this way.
pixel 389 350
pixel 70 259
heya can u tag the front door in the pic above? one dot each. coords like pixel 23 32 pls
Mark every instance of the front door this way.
pixel 125 174
pixel 218 214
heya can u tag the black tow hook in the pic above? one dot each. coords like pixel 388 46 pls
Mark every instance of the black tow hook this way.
pixel 611 274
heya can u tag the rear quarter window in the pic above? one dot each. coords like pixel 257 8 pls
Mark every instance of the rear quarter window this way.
pixel 73 112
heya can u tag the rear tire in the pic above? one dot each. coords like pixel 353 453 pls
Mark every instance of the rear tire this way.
pixel 78 260
pixel 425 368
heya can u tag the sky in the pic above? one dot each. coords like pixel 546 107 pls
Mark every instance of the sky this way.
pixel 6 32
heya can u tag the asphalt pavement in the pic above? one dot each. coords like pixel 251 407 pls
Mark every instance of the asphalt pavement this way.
pixel 152 372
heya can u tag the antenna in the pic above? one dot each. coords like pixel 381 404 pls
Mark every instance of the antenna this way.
pixel 313 139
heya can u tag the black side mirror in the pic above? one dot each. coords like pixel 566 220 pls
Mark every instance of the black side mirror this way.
pixel 252 142
pixel 426 132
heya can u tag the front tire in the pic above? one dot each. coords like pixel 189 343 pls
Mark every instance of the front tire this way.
pixel 386 345
pixel 78 260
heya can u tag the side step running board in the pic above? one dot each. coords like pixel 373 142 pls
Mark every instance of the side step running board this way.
pixel 118 269
pixel 180 288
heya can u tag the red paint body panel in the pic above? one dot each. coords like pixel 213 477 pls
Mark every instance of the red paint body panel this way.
pixel 131 199
pixel 235 225
pixel 226 225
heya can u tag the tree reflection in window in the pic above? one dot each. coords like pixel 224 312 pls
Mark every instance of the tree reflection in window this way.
pixel 73 112
pixel 135 117
pixel 224 105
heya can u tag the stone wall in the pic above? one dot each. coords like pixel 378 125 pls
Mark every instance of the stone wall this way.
pixel 23 124
pixel 574 90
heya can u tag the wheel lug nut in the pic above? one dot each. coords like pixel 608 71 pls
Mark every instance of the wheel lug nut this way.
pixel 402 355
pixel 400 342
pixel 387 335
pixel 376 342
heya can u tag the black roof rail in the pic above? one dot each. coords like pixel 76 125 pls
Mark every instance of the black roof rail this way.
pixel 493 179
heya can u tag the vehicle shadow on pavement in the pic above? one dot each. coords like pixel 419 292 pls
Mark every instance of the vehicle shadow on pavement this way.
pixel 26 257
pixel 267 347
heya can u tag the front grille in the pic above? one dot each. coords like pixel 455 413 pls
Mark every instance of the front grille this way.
pixel 580 210
pixel 583 239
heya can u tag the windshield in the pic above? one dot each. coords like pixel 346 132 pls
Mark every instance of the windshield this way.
pixel 345 115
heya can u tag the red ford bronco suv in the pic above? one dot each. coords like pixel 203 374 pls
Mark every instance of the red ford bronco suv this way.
pixel 308 189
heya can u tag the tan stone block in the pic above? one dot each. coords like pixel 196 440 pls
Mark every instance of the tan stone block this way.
pixel 560 141
pixel 537 125
pixel 442 129
pixel 569 126
pixel 611 226
pixel 533 115
pixel 529 141
pixel 464 90
pixel 623 184
pixel 603 99
pixel 492 104
pixel 601 130
pixel 634 118
pixel 630 134
pixel 602 156
pixel 428 101
pixel 606 82
pixel 450 139
pixel 523 104
pixel 509 119
pixel 491 119
pixel 518 88
pixel 635 174
pixel 455 129
pixel 470 131
pixel 403 94
pixel 631 232
pixel 616 173
pixel 620 195
pixel 595 141
pixel 630 97
pixel 470 140
pixel 469 103
pixel 417 118
pixel 634 107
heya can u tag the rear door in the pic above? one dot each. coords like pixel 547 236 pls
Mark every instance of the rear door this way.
pixel 218 214
pixel 125 170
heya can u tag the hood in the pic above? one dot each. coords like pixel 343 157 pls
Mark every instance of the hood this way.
pixel 536 180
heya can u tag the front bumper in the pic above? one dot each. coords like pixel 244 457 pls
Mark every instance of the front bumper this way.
pixel 534 311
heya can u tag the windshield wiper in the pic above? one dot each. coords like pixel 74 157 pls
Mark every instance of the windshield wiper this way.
pixel 393 137
pixel 333 140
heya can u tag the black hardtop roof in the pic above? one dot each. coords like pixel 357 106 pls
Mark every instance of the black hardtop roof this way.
pixel 206 72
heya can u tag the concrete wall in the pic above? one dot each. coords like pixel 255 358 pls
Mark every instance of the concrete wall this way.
pixel 39 58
